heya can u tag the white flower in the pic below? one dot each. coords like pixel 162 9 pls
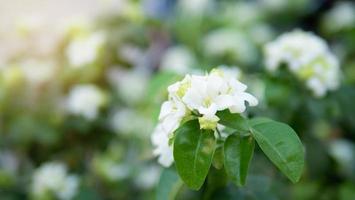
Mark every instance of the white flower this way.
pixel 194 7
pixel 121 121
pixel 128 121
pixel 76 25
pixel 85 100
pixel 9 162
pixel 261 33
pixel 136 80
pixel 53 178
pixel 230 72
pixel 341 16
pixel 171 114
pixel 201 95
pixel 222 42
pixel 308 57
pixel 84 50
pixel 36 71
pixel 343 152
pixel 110 169
pixel 133 54
pixel 148 177
pixel 216 92
pixel 178 59
pixel 244 13
pixel 290 48
pixel 69 189
pixel 160 140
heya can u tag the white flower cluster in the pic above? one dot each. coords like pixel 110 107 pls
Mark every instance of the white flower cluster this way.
pixel 37 71
pixel 84 50
pixel 177 59
pixel 230 42
pixel 204 95
pixel 194 7
pixel 340 17
pixel 85 100
pixel 307 56
pixel 53 179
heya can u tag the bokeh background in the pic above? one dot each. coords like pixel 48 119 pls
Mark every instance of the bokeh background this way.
pixel 81 84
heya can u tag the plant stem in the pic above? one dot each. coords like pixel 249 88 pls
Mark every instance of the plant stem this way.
pixel 219 133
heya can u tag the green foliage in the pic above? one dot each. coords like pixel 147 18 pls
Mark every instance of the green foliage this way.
pixel 194 149
pixel 193 153
pixel 234 121
pixel 112 154
pixel 282 146
pixel 238 151
pixel 169 184
pixel 218 158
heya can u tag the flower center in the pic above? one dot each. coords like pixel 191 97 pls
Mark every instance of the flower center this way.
pixel 207 101
pixel 183 88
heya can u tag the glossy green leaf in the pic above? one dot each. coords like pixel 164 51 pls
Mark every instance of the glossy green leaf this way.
pixel 282 146
pixel 238 152
pixel 169 185
pixel 193 153
pixel 232 120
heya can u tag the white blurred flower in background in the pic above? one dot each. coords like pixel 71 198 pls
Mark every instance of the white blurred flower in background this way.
pixel 178 59
pixel 129 84
pixel 340 17
pixel 85 100
pixel 110 169
pixel 343 151
pixel 133 54
pixel 121 121
pixel 194 7
pixel 37 71
pixel 261 33
pixel 148 177
pixel 308 57
pixel 129 121
pixel 9 161
pixel 230 71
pixel 76 26
pixel 244 13
pixel 53 179
pixel 228 42
pixel 296 48
pixel 84 49
pixel 115 171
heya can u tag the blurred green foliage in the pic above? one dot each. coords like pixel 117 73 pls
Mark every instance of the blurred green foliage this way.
pixel 112 154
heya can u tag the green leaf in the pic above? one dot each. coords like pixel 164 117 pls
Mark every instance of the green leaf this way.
pixel 238 152
pixel 193 153
pixel 232 120
pixel 218 158
pixel 258 120
pixel 169 185
pixel 282 146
